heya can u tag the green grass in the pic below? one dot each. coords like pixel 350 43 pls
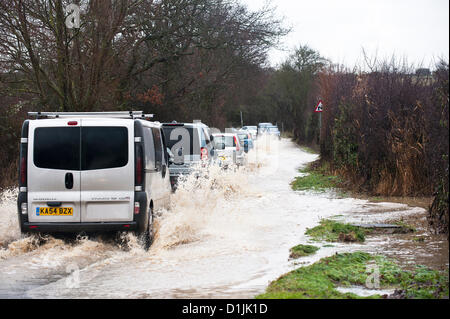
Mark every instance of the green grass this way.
pixel 333 231
pixel 302 250
pixel 316 179
pixel 320 280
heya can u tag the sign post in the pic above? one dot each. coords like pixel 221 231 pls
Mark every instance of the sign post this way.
pixel 319 109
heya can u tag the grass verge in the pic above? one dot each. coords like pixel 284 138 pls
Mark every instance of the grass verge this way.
pixel 316 179
pixel 333 231
pixel 320 280
pixel 302 250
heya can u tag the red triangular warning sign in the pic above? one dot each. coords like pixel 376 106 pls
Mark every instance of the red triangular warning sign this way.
pixel 319 106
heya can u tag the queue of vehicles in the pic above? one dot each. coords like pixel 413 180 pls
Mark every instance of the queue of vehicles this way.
pixel 109 171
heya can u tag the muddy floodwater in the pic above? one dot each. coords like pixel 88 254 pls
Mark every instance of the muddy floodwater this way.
pixel 226 235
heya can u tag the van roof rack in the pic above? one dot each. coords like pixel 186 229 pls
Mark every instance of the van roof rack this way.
pixel 118 114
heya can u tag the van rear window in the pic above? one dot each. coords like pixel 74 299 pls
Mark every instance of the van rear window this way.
pixel 57 148
pixel 103 147
pixel 227 140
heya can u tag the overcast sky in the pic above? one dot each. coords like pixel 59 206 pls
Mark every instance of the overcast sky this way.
pixel 339 29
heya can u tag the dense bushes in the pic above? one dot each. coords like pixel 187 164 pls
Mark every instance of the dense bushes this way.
pixel 387 131
pixel 385 127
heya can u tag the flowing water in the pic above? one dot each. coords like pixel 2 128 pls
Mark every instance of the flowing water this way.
pixel 227 234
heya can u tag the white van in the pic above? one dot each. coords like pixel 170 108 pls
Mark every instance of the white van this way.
pixel 90 172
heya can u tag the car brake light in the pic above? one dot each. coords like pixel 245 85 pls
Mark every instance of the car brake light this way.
pixel 72 123
pixel 203 153
pixel 237 143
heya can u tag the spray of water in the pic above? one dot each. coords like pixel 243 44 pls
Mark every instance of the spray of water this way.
pixel 209 201
pixel 9 227
pixel 205 202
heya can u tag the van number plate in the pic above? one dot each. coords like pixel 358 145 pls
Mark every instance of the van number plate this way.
pixel 54 211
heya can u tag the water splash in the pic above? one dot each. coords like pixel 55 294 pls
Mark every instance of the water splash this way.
pixel 9 227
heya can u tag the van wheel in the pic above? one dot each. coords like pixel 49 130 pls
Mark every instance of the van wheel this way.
pixel 148 234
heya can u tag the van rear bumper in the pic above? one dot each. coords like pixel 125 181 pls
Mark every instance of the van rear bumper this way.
pixel 77 227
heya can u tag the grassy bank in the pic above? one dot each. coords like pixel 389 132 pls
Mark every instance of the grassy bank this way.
pixel 333 231
pixel 315 178
pixel 302 250
pixel 321 279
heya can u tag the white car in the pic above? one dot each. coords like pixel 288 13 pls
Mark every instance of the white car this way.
pixel 262 128
pixel 253 130
pixel 228 150
pixel 91 172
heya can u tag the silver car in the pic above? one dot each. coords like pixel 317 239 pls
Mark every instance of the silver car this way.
pixel 262 127
pixel 229 150
pixel 273 131
pixel 253 130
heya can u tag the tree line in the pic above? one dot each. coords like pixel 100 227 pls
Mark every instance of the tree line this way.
pixel 179 59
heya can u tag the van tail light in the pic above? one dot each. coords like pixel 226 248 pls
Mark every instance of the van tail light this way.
pixel 23 171
pixel 137 206
pixel 24 208
pixel 237 143
pixel 203 153
pixel 139 175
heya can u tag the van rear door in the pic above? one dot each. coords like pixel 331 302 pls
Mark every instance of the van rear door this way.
pixel 54 171
pixel 107 170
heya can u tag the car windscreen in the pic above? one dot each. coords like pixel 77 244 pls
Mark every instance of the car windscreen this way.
pixel 227 140
pixel 177 137
pixel 273 129
pixel 242 136
pixel 57 148
pixel 104 147
pixel 101 147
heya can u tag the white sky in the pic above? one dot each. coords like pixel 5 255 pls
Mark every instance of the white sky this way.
pixel 417 30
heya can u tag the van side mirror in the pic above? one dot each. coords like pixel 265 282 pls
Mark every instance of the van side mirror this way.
pixel 211 138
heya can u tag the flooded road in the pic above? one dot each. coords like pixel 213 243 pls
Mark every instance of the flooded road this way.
pixel 226 236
